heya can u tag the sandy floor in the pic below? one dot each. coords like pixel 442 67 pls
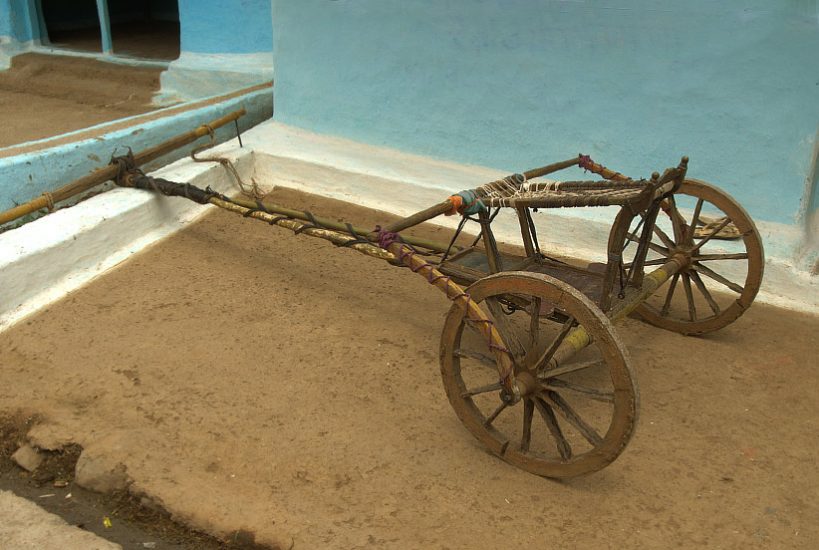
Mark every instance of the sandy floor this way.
pixel 252 379
pixel 46 95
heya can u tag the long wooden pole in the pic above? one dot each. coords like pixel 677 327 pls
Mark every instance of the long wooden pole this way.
pixel 435 246
pixel 445 206
pixel 101 175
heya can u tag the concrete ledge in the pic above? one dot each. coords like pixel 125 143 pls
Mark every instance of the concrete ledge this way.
pixel 29 174
pixel 9 47
pixel 196 75
pixel 26 525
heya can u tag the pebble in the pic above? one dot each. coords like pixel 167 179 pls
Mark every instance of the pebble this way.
pixel 27 458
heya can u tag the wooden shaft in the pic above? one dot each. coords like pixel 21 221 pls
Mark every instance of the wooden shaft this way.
pixel 338 226
pixel 606 173
pixel 446 206
pixel 334 237
pixel 579 338
pixel 101 175
pixel 539 172
pixel 472 311
pixel 419 217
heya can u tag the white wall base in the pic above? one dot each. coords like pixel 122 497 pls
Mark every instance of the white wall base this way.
pixel 46 259
pixel 195 76
pixel 9 47
pixel 402 184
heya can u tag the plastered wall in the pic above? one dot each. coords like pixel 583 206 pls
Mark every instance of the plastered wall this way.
pixel 510 84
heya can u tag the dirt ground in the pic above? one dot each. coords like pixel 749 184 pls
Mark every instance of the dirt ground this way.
pixel 51 488
pixel 250 379
pixel 47 95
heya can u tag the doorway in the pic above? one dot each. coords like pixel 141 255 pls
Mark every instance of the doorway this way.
pixel 72 25
pixel 145 28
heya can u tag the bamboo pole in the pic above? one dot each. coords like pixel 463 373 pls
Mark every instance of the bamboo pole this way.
pixel 446 206
pixel 420 217
pixel 335 237
pixel 101 175
pixel 435 246
pixel 539 172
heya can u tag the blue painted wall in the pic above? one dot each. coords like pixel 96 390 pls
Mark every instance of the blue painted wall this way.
pixel 26 176
pixel 207 26
pixel 215 26
pixel 511 84
pixel 16 17
pixel 5 18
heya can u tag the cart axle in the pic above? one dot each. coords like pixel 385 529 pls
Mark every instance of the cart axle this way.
pixel 579 338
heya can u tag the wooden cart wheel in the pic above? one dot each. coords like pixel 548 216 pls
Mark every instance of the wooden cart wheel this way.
pixel 726 261
pixel 573 419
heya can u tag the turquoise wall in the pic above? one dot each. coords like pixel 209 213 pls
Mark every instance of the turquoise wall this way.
pixel 16 18
pixel 511 84
pixel 215 26
pixel 207 26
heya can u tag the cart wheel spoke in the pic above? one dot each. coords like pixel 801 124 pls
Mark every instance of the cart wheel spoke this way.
pixel 663 237
pixel 652 245
pixel 507 331
pixel 543 357
pixel 705 292
pixel 708 272
pixel 491 418
pixel 715 257
pixel 528 412
pixel 568 413
pixel 592 393
pixel 548 415
pixel 695 219
pixel 647 263
pixel 711 235
pixel 534 323
pixel 677 220
pixel 482 358
pixel 481 389
pixel 566 369
pixel 671 287
pixel 689 297
pixel 661 234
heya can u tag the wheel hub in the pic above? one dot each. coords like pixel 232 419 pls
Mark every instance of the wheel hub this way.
pixel 527 383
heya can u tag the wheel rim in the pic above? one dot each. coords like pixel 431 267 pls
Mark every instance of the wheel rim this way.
pixel 722 277
pixel 569 422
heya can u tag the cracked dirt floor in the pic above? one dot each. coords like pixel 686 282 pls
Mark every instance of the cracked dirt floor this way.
pixel 251 379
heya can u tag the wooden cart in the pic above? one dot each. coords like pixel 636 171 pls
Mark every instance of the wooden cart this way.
pixel 529 356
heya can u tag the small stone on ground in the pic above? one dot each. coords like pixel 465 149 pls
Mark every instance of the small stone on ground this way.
pixel 27 458
pixel 100 474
